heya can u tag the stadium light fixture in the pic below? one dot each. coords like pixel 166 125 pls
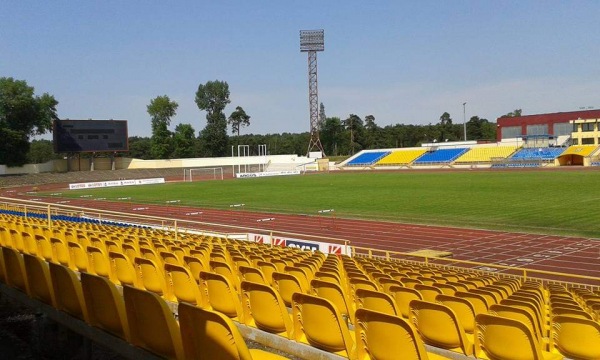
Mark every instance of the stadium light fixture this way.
pixel 465 118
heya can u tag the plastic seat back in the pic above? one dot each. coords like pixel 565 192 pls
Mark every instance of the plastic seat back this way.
pixel 99 263
pixel 318 322
pixel 60 251
pixel 79 259
pixel 462 308
pixel 68 292
pixel 252 274
pixel 384 337
pixel 152 324
pixel 403 296
pixel 428 292
pixel 576 338
pixel 122 269
pixel 105 305
pixel 220 294
pixel 377 301
pixel 439 326
pixel 182 285
pixel 523 315
pixel 15 269
pixel 38 279
pixel 195 265
pixel 286 285
pixel 499 337
pixel 479 303
pixel 151 277
pixel 44 247
pixel 263 308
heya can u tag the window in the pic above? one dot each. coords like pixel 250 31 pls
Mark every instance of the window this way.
pixel 587 127
pixel 587 141
pixel 562 129
pixel 575 127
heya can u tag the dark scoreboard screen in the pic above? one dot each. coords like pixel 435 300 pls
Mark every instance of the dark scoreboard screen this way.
pixel 90 135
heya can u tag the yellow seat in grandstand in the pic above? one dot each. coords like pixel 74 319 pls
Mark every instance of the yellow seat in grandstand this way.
pixel 60 252
pixel 195 265
pixel 486 154
pixel 15 269
pixel 387 337
pixel 152 324
pixel 151 277
pixel 38 279
pixel 401 157
pixel 465 313
pixel 252 274
pixel 79 258
pixel 318 322
pixel 99 263
pixel 526 316
pixel 44 247
pixel 428 292
pixel 68 292
pixel 208 335
pixel 403 296
pixel 220 294
pixel 576 338
pixel 122 269
pixel 376 301
pixel 180 282
pixel 263 308
pixel 105 305
pixel 333 292
pixel 501 338
pixel 439 326
pixel 287 285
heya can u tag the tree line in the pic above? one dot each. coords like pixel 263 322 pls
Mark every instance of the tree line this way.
pixel 23 115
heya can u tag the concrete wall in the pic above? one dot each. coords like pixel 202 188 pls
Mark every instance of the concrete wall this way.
pixel 50 166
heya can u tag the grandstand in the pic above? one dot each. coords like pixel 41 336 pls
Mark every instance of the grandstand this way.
pixel 367 158
pixel 577 155
pixel 532 157
pixel 126 283
pixel 441 156
pixel 486 154
pixel 401 157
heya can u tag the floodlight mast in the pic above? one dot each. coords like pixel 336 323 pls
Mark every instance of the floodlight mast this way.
pixel 312 41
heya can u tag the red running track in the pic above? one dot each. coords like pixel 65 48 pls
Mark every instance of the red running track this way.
pixel 572 255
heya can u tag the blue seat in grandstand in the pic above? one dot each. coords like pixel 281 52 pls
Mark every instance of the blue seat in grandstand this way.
pixel 367 158
pixel 545 153
pixel 440 156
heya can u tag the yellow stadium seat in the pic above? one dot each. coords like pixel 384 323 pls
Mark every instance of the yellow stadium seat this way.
pixel 60 252
pixel 182 285
pixel 151 277
pixel 318 322
pixel 208 335
pixel 267 269
pixel 15 269
pixel 263 308
pixel 376 301
pixel 152 324
pixel 195 265
pixel 225 269
pixel 579 313
pixel 105 306
pixel 524 315
pixel 122 269
pixel 252 274
pixel 99 263
pixel 29 244
pixel 169 258
pixel 401 157
pixel 220 294
pixel 44 247
pixel 333 292
pixel 79 258
pixel 38 279
pixel 439 326
pixel 67 291
pixel 387 337
pixel 576 338
pixel 403 296
pixel 286 284
pixel 428 292
pixel 486 154
pixel 465 313
pixel 502 338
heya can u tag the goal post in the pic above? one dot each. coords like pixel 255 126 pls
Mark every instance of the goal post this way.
pixel 199 174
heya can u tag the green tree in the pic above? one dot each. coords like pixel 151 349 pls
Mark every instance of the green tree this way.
pixel 140 147
pixel 161 110
pixel 514 113
pixel 331 135
pixel 238 119
pixel 41 151
pixel 22 115
pixel 213 97
pixel 184 142
pixel 480 129
pixel 355 128
pixel 322 116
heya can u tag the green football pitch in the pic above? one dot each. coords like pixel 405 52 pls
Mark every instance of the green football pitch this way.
pixel 549 202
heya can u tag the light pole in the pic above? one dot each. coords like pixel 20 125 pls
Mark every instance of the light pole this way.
pixel 465 118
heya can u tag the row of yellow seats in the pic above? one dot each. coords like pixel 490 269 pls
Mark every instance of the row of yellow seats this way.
pixel 139 317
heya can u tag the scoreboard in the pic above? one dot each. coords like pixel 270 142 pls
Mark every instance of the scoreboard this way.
pixel 90 135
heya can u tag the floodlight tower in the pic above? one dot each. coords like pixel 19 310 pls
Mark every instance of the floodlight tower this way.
pixel 312 41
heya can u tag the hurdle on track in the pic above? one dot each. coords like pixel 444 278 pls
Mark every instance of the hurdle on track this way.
pixel 232 207
pixel 267 222
pixel 321 216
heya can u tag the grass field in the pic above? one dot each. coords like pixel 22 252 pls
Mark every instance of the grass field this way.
pixel 549 202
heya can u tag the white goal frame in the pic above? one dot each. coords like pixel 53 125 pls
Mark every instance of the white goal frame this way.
pixel 217 173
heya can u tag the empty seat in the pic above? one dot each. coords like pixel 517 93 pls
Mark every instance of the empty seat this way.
pixel 38 279
pixel 464 312
pixel 377 301
pixel 252 274
pixel 182 285
pixel 220 294
pixel 15 269
pixel 122 269
pixel 263 308
pixel 152 324
pixel 439 326
pixel 105 305
pixel 151 277
pixel 503 339
pixel 287 285
pixel 576 338
pixel 383 336
pixel 68 291
pixel 403 296
pixel 318 322
pixel 210 335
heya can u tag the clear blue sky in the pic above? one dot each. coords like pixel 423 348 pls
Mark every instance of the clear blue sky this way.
pixel 403 62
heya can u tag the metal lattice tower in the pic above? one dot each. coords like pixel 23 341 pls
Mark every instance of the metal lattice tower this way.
pixel 312 41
